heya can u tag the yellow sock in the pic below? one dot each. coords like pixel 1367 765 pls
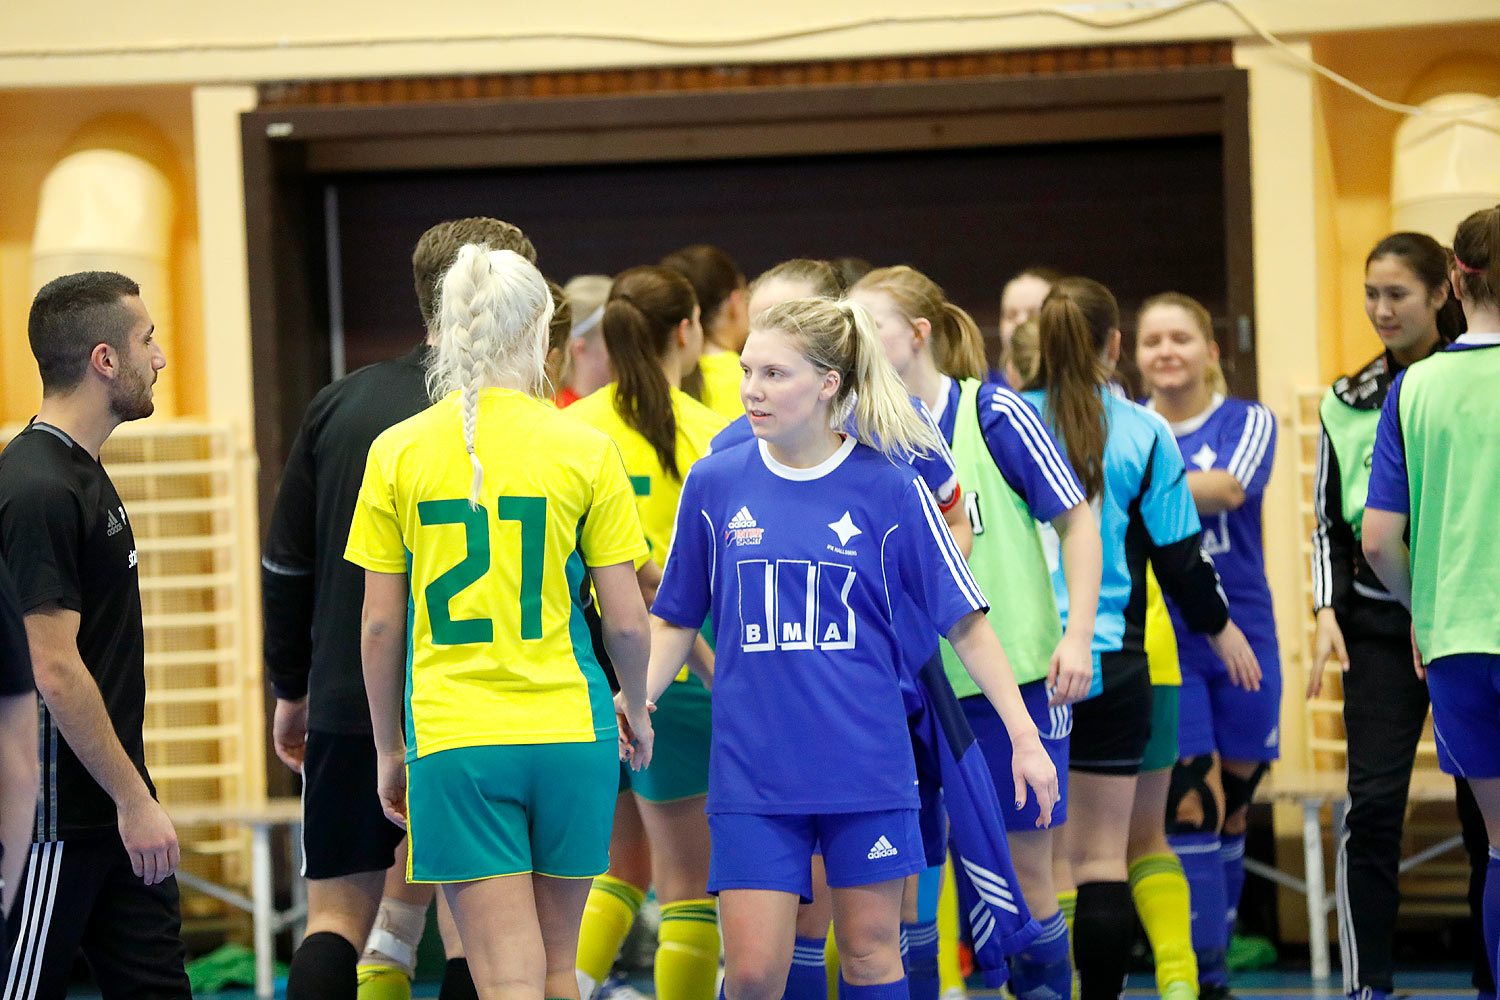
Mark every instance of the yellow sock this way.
pixel 607 916
pixel 1068 903
pixel 383 982
pixel 1161 898
pixel 831 964
pixel 687 951
pixel 949 976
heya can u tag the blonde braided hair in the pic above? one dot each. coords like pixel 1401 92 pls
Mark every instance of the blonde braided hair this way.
pixel 493 321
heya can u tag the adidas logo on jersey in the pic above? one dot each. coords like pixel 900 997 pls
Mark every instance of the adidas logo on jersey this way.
pixel 882 849
pixel 115 525
pixel 741 528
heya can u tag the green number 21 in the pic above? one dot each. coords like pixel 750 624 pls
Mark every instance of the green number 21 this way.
pixel 531 513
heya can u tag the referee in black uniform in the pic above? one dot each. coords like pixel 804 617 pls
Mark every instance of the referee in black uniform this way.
pixel 100 874
pixel 312 599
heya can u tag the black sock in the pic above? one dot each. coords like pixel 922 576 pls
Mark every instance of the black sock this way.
pixel 457 983
pixel 323 969
pixel 1102 937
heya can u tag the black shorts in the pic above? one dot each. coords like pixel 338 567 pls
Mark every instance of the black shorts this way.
pixel 1111 730
pixel 79 895
pixel 344 831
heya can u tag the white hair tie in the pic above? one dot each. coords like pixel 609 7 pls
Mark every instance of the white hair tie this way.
pixel 586 326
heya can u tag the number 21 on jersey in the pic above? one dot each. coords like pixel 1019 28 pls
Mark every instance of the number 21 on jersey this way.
pixel 531 513
pixel 795 604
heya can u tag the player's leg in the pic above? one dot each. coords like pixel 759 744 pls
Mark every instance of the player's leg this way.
pixel 868 857
pixel 47 920
pixel 687 954
pixel 760 868
pixel 616 896
pixel 1045 966
pixel 497 919
pixel 1195 811
pixel 1157 881
pixel 457 983
pixel 919 931
pixel 670 796
pixel 809 975
pixel 133 936
pixel 1110 733
pixel 389 961
pixel 1477 847
pixel 1385 708
pixel 348 845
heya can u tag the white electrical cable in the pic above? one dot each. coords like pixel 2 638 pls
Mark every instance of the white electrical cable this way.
pixel 1155 10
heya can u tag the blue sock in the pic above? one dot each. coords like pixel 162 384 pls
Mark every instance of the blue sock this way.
pixel 808 978
pixel 1492 909
pixel 921 959
pixel 1042 971
pixel 882 991
pixel 1232 856
pixel 1199 854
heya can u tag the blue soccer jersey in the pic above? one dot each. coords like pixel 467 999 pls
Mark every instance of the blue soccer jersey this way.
pixel 1145 507
pixel 937 470
pixel 1024 450
pixel 1238 437
pixel 813 578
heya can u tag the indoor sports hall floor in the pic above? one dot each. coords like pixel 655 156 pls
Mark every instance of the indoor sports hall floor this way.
pixel 1290 984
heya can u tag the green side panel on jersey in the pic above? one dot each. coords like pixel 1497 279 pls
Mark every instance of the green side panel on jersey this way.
pixel 1007 560
pixel 1351 432
pixel 1449 408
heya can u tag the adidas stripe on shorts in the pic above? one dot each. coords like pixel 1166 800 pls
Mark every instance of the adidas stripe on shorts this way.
pixel 752 851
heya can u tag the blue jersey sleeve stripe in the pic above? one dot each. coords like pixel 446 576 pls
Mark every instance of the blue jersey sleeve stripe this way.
pixel 1252 447
pixel 943 451
pixel 955 560
pixel 1029 429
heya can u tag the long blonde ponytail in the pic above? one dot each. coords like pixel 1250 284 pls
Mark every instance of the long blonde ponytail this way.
pixel 493 323
pixel 870 401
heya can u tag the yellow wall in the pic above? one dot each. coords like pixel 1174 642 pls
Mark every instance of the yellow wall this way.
pixel 1356 146
pixel 37 127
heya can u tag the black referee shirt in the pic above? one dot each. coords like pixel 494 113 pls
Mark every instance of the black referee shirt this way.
pixel 66 539
pixel 312 597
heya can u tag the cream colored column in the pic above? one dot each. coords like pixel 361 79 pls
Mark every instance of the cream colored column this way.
pixel 226 354
pixel 1283 212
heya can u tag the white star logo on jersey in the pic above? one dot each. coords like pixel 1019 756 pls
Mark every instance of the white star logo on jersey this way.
pixel 1204 457
pixel 845 529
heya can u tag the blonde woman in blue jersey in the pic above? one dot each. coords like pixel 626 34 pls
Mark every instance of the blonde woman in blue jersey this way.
pixel 816 555
pixel 999 441
pixel 651 327
pixel 480 524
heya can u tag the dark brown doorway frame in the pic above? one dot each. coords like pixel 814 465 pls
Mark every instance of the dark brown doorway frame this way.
pixel 288 150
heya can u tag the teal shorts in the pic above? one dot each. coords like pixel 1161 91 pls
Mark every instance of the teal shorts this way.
pixel 683 722
pixel 1161 749
pixel 481 812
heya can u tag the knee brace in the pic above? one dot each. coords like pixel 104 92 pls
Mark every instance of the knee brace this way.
pixel 1239 791
pixel 397 933
pixel 1192 776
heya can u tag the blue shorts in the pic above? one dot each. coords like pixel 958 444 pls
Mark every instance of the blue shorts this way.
pixel 1465 692
pixel 1055 726
pixel 754 851
pixel 1215 716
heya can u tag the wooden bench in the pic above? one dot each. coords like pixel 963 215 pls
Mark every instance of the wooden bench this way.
pixel 261 820
pixel 1312 790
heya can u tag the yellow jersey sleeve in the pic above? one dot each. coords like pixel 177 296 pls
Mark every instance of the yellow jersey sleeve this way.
pixel 721 384
pixel 1159 639
pixel 375 533
pixel 612 532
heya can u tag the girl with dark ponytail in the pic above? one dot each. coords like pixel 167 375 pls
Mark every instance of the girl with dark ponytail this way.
pixel 1133 473
pixel 1433 479
pixel 652 331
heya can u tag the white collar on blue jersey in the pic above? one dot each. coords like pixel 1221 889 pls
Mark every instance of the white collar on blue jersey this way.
pixel 1478 339
pixel 942 400
pixel 818 471
pixel 1191 423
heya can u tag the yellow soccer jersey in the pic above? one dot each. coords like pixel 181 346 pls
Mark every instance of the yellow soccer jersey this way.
pixel 656 492
pixel 721 384
pixel 1160 641
pixel 498 648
